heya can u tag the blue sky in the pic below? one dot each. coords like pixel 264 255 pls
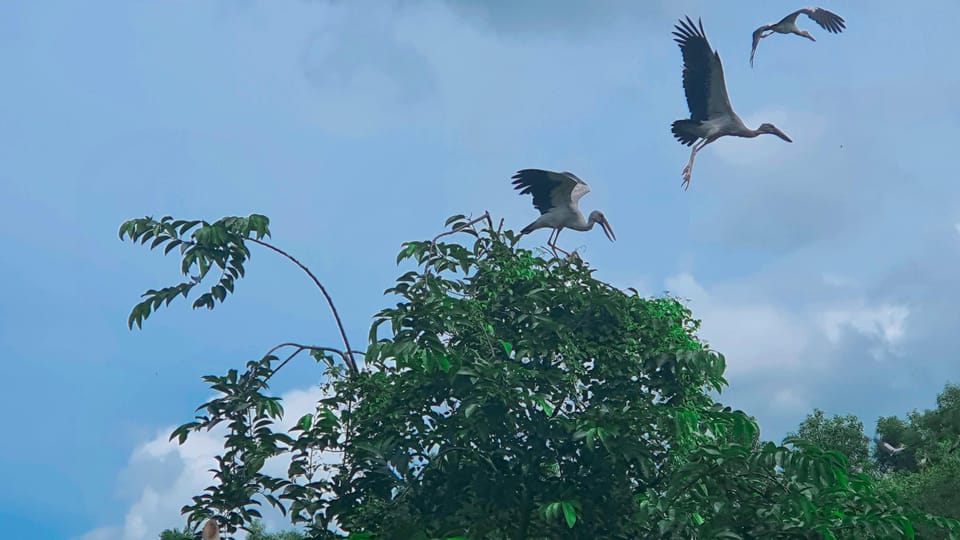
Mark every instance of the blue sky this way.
pixel 824 269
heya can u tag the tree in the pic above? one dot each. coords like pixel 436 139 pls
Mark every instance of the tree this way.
pixel 924 475
pixel 173 534
pixel 513 397
pixel 255 531
pixel 258 532
pixel 841 433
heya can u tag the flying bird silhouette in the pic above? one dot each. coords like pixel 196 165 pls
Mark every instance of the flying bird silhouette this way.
pixel 829 21
pixel 711 115
pixel 888 447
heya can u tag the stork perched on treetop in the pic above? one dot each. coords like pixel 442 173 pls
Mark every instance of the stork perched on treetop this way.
pixel 557 196
pixel 711 115
pixel 829 21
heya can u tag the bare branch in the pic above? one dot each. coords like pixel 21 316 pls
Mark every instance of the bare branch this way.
pixel 485 216
pixel 348 357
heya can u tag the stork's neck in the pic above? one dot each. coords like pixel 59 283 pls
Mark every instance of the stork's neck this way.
pixel 581 224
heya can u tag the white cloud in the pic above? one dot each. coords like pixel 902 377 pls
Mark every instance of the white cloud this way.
pixel 885 323
pixel 837 280
pixel 754 336
pixel 791 401
pixel 780 347
pixel 103 533
pixel 162 476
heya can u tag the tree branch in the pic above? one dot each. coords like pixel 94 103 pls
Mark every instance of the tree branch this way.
pixel 300 348
pixel 348 357
pixel 485 216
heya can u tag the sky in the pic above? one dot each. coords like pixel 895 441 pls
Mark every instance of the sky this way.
pixel 825 270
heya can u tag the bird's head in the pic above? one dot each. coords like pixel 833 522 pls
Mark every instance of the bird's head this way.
pixel 597 217
pixel 772 129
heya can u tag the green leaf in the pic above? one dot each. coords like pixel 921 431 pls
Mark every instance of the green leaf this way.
pixel 569 514
pixel 547 407
pixel 453 218
pixel 506 346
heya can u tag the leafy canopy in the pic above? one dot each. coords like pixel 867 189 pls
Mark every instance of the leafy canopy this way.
pixel 510 396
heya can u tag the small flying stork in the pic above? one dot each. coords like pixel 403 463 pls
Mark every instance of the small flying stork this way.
pixel 829 21
pixel 557 196
pixel 711 115
pixel 889 447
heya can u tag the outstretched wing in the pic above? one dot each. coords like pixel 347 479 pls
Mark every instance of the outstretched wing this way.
pixel 757 34
pixel 702 73
pixel 829 21
pixel 550 189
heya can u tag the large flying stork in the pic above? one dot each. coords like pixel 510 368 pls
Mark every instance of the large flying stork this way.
pixel 557 196
pixel 711 115
pixel 829 21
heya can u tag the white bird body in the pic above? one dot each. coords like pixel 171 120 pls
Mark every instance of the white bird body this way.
pixel 560 218
pixel 711 115
pixel 889 447
pixel 557 196
pixel 829 21
pixel 210 530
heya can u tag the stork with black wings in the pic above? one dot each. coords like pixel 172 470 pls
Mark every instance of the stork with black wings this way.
pixel 829 21
pixel 557 196
pixel 711 115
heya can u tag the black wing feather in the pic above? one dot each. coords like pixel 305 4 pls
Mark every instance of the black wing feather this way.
pixel 697 56
pixel 538 183
pixel 829 21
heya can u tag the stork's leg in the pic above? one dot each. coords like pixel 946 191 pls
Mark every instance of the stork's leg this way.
pixel 550 241
pixel 554 246
pixel 688 170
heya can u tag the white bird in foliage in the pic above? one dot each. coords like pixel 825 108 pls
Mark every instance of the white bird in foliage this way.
pixel 711 115
pixel 829 21
pixel 210 530
pixel 888 447
pixel 557 196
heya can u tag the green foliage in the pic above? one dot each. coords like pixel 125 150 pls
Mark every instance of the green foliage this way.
pixel 210 245
pixel 255 531
pixel 927 437
pixel 516 397
pixel 925 475
pixel 173 534
pixel 841 433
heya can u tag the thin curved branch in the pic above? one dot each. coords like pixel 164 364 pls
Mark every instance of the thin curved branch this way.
pixel 485 216
pixel 300 348
pixel 351 362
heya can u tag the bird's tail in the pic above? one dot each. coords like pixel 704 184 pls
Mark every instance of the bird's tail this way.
pixel 528 229
pixel 685 131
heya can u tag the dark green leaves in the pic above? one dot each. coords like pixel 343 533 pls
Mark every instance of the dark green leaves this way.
pixel 565 510
pixel 505 395
pixel 219 245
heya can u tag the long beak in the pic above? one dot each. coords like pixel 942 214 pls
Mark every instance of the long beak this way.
pixel 783 136
pixel 608 230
